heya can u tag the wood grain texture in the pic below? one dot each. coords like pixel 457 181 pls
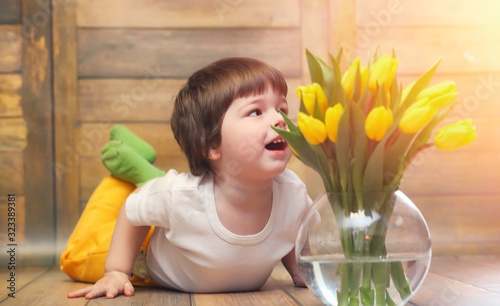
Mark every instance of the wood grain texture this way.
pixel 65 114
pixel 10 96
pixel 143 99
pixel 461 13
pixel 12 174
pixel 23 279
pixel 178 53
pixel 10 11
pixel 38 155
pixel 10 48
pixel 466 224
pixel 440 290
pixel 452 280
pixel 13 134
pixel 188 14
pixel 459 172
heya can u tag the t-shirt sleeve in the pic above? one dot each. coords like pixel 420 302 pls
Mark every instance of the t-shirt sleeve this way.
pixel 153 203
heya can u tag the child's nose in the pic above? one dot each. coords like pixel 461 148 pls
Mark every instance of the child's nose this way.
pixel 279 121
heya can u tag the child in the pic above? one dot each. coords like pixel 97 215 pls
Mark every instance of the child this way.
pixel 220 228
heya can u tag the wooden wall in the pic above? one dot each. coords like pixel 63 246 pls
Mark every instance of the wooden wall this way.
pixel 12 125
pixel 122 61
pixel 26 128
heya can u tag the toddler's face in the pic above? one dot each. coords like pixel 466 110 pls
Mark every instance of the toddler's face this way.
pixel 249 146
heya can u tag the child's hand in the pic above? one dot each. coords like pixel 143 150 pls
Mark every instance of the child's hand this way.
pixel 111 285
pixel 298 281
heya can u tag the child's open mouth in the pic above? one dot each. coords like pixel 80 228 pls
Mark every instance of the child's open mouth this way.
pixel 277 145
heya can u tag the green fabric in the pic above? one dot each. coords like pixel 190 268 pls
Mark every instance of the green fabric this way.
pixel 125 163
pixel 144 149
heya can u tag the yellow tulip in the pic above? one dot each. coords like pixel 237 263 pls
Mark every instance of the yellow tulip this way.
pixel 443 100
pixel 332 117
pixel 455 135
pixel 382 73
pixel 378 121
pixel 350 77
pixel 416 118
pixel 308 97
pixel 314 130
pixel 440 95
pixel 309 94
pixel 437 90
pixel 320 95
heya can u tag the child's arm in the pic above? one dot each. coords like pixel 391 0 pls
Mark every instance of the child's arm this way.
pixel 291 266
pixel 125 244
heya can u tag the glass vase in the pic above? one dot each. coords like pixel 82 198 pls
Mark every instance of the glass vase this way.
pixel 363 248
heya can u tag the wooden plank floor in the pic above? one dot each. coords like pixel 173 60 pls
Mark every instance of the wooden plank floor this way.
pixel 459 280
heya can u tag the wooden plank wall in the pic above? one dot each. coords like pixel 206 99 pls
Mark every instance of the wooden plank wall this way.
pixel 456 191
pixel 13 130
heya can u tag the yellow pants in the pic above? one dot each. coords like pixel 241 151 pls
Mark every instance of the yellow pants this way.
pixel 87 248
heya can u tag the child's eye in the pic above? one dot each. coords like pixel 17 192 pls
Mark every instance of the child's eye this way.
pixel 255 113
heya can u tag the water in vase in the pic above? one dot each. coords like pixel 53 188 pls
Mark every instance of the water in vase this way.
pixel 323 275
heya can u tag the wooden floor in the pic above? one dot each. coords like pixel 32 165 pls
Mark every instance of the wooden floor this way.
pixel 460 280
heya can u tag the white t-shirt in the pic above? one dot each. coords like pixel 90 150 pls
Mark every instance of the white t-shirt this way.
pixel 190 250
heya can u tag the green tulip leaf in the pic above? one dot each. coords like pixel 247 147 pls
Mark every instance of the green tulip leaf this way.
pixel 317 113
pixel 344 147
pixel 374 171
pixel 290 124
pixel 420 85
pixel 395 157
pixel 359 147
pixel 329 78
pixel 314 68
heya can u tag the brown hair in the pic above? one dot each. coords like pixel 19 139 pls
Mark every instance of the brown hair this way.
pixel 201 104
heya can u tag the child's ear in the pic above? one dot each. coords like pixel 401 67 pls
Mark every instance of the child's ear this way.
pixel 214 154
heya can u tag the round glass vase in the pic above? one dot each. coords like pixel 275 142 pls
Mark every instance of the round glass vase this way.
pixel 363 248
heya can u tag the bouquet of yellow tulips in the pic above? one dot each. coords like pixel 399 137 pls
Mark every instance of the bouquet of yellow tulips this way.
pixel 360 130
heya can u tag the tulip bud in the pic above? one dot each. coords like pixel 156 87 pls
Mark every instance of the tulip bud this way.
pixel 382 73
pixel 332 117
pixel 378 121
pixel 313 129
pixel 437 90
pixel 416 118
pixel 440 95
pixel 309 95
pixel 321 97
pixel 350 77
pixel 455 135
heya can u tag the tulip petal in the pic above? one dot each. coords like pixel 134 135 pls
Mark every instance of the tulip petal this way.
pixel 455 135
pixel 416 118
pixel 378 121
pixel 314 130
pixel 332 118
